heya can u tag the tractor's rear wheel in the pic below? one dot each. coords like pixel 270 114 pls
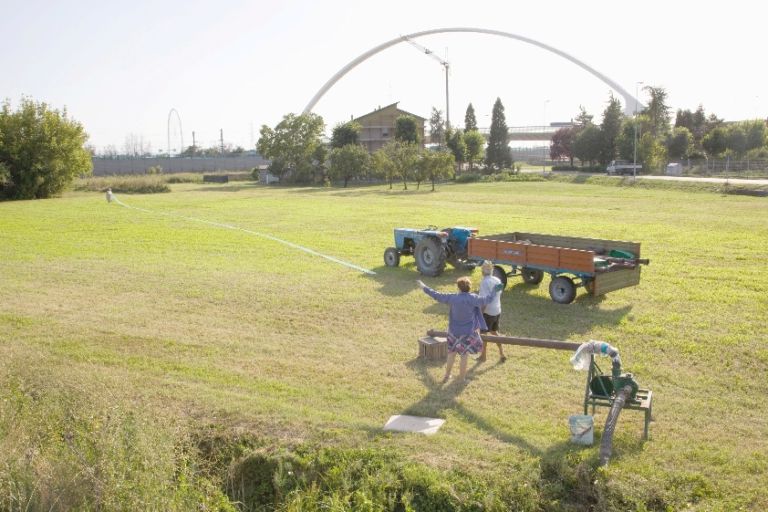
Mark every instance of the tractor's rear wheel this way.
pixel 391 257
pixel 532 275
pixel 430 257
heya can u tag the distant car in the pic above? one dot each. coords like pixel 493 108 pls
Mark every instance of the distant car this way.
pixel 620 167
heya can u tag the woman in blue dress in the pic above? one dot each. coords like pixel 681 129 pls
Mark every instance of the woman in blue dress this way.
pixel 465 320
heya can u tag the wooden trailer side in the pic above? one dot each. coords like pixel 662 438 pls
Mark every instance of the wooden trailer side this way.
pixel 531 254
pixel 605 282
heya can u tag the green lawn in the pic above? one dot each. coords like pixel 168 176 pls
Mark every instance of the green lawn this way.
pixel 112 316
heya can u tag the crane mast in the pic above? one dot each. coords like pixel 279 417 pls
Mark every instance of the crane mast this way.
pixel 445 65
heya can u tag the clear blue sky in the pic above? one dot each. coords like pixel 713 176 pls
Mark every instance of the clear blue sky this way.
pixel 234 64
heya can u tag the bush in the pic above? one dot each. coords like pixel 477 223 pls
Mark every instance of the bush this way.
pixel 41 151
pixel 141 184
pixel 468 178
pixel 155 169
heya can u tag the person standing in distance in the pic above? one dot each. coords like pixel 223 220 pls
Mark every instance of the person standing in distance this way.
pixel 491 311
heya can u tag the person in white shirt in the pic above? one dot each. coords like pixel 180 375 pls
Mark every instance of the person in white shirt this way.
pixel 492 311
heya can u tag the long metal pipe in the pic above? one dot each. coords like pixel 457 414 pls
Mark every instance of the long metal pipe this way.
pixel 515 340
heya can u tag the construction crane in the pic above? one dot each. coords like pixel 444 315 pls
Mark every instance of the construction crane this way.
pixel 445 65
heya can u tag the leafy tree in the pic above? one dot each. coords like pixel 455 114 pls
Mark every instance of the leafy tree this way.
pixel 498 155
pixel 475 142
pixel 756 134
pixel 403 157
pixel 651 151
pixel 42 150
pixel 434 165
pixel 437 127
pixel 657 111
pixel 291 146
pixel 406 129
pixel 695 122
pixel 345 133
pixel 383 166
pixel 470 123
pixel 610 129
pixel 715 142
pixel 588 143
pixel 679 143
pixel 737 139
pixel 192 151
pixel 626 141
pixel 457 146
pixel 319 157
pixel 348 162
pixel 561 145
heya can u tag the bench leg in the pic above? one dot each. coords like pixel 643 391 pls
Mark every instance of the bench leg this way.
pixel 647 423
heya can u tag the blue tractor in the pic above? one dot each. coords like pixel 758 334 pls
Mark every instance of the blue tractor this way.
pixel 432 248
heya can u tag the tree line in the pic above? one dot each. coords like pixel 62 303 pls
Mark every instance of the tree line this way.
pixel 650 137
pixel 299 155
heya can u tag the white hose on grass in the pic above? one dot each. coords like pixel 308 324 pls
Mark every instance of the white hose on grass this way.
pixel 254 233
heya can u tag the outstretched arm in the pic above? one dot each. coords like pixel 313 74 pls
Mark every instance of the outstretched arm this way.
pixel 439 297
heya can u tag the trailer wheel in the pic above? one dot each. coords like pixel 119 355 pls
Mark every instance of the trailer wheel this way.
pixel 562 290
pixel 391 257
pixel 499 273
pixel 532 275
pixel 430 257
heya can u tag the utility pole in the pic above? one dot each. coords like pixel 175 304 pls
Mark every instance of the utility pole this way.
pixel 446 65
pixel 221 140
pixel 194 146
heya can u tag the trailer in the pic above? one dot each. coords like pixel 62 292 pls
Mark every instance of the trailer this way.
pixel 599 266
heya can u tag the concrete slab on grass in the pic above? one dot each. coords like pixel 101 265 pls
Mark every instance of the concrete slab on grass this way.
pixel 403 423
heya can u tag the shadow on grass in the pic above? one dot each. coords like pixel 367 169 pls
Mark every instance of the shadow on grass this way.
pixel 442 397
pixel 524 311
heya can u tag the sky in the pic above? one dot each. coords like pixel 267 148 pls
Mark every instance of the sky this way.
pixel 231 66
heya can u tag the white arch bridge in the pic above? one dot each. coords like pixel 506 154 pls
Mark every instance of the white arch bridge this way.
pixel 629 100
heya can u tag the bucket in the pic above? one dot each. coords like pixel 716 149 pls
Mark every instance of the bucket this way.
pixel 581 429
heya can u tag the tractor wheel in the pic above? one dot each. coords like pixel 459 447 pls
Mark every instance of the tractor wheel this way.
pixel 430 257
pixel 391 257
pixel 499 273
pixel 532 275
pixel 562 290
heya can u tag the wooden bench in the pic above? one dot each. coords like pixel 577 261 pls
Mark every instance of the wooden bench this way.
pixel 643 400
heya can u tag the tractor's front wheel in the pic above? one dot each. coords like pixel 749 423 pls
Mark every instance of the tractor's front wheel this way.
pixel 391 257
pixel 430 257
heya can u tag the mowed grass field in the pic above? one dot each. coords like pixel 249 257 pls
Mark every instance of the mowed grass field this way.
pixel 181 329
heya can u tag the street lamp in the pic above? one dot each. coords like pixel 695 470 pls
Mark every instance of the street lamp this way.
pixel 634 166
pixel 544 151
